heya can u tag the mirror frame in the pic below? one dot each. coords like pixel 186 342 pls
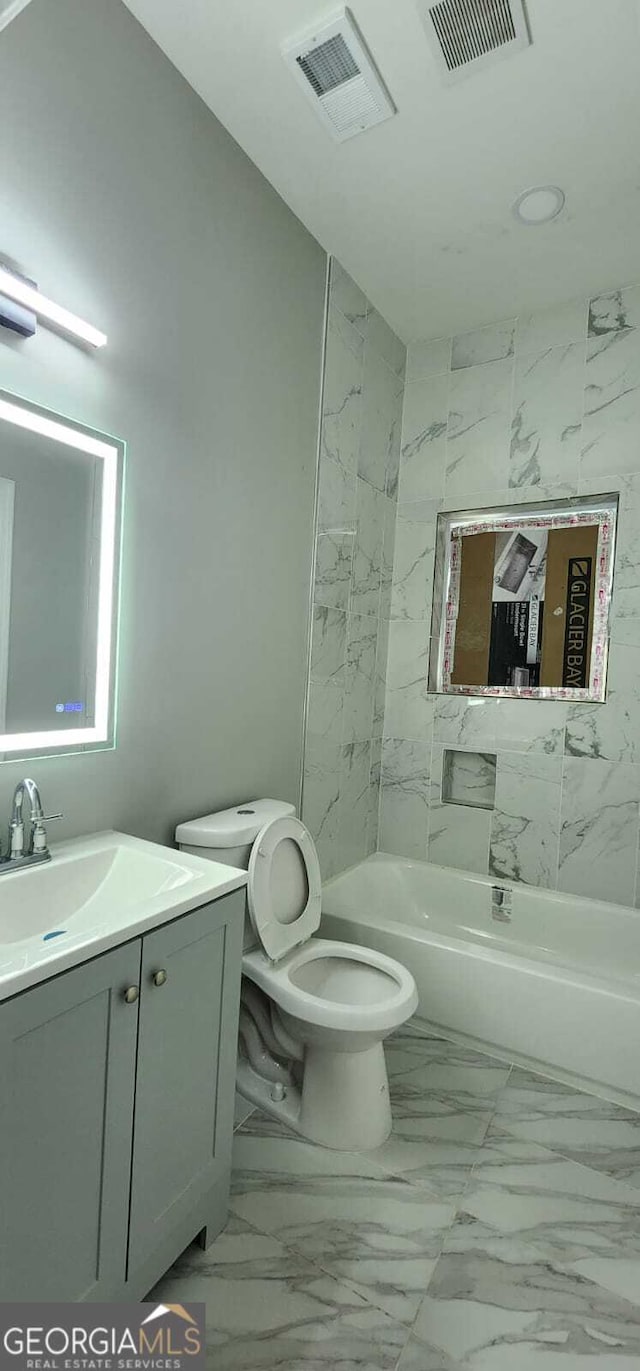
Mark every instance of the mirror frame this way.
pixel 16 410
pixel 601 510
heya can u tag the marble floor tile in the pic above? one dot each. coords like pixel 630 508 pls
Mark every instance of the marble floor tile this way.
pixel 268 1308
pixel 593 1131
pixel 345 1214
pixel 571 1212
pixel 432 1071
pixel 495 1303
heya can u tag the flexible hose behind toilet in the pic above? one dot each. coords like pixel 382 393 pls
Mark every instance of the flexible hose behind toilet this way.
pixel 259 1058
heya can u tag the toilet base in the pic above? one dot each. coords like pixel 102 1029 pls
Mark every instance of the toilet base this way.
pixel 344 1101
pixel 345 1098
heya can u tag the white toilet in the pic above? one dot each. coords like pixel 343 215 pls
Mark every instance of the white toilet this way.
pixel 312 1040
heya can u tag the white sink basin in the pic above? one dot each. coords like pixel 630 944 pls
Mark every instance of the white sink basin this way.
pixel 94 893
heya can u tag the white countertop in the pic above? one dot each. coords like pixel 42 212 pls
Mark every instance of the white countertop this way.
pixel 96 893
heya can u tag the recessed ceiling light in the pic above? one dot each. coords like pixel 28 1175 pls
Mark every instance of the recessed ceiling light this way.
pixel 539 204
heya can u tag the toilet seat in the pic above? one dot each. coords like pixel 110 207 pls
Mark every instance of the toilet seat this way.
pixel 379 1006
pixel 284 890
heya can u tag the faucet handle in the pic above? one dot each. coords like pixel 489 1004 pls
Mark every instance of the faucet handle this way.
pixel 40 833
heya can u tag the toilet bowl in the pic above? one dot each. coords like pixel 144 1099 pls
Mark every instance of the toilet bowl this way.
pixel 319 1065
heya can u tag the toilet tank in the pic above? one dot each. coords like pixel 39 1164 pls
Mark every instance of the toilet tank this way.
pixel 228 835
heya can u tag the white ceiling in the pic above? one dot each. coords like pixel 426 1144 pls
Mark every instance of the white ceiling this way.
pixel 418 209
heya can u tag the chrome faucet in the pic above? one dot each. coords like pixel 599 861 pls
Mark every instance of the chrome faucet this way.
pixel 37 849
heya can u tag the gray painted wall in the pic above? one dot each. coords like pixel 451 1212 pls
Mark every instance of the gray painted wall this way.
pixel 129 202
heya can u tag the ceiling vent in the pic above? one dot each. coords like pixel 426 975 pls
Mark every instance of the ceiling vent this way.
pixel 466 35
pixel 9 9
pixel 339 77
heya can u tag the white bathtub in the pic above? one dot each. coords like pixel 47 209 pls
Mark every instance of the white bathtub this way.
pixel 557 988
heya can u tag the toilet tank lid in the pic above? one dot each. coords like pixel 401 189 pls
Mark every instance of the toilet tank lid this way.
pixel 232 827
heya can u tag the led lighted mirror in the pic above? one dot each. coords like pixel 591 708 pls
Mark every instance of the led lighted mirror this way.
pixel 521 600
pixel 60 500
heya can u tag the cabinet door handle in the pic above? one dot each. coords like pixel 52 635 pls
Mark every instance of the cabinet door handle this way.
pixel 131 994
pixel 159 977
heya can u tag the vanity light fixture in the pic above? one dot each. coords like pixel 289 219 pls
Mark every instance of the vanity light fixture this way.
pixel 539 205
pixel 19 290
pixel 23 416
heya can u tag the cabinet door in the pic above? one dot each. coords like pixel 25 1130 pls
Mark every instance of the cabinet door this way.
pixel 67 1081
pixel 186 1069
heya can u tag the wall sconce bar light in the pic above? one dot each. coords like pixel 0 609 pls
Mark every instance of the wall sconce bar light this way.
pixel 19 290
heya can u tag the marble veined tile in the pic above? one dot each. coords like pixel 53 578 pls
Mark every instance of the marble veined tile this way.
pixel 386 342
pixel 428 358
pixel 524 827
pixel 442 1099
pixel 324 712
pixel 424 439
pixel 469 778
pixel 570 1211
pixel 360 683
pixel 586 1129
pixel 336 497
pixel 415 542
pixel 547 418
pixel 432 1072
pixel 483 345
pixel 334 553
pixel 619 309
pixel 388 553
pixel 381 678
pixel 329 645
pixel 530 725
pixel 611 730
pixel 549 328
pixel 599 829
pixel 355 803
pixel 321 795
pixel 458 836
pixel 342 398
pixel 380 434
pixel 269 1308
pixel 612 404
pixel 479 429
pixel 404 786
pixel 348 297
pixel 409 708
pixel 367 552
pixel 495 1303
pixel 345 1214
pixel 465 721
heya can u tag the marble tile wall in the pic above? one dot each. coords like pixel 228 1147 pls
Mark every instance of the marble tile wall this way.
pixel 531 408
pixel 357 492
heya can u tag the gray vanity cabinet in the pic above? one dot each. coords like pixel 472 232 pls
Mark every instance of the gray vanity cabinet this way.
pixel 67 1068
pixel 186 1068
pixel 117 1111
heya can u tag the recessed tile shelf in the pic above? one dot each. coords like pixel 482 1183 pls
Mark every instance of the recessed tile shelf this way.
pixel 469 778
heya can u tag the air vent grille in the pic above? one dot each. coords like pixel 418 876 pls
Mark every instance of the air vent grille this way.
pixel 468 34
pixel 329 65
pixel 461 40
pixel 338 75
